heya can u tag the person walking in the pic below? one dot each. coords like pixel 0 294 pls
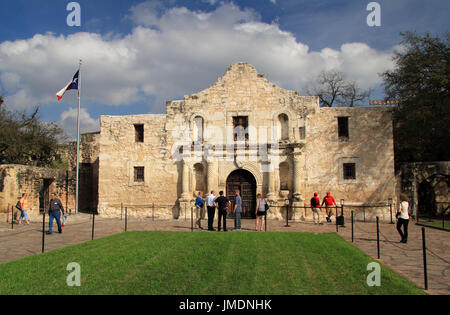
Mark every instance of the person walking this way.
pixel 403 218
pixel 54 211
pixel 24 208
pixel 329 201
pixel 200 210
pixel 260 212
pixel 237 211
pixel 210 205
pixel 222 204
pixel 315 207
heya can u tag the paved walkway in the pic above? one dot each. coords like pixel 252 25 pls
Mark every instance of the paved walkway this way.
pixel 406 259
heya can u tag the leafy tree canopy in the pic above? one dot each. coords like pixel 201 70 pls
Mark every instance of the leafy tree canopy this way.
pixel 25 140
pixel 420 82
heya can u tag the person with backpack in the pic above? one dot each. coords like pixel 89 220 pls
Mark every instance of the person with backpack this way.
pixel 24 206
pixel 403 218
pixel 54 211
pixel 315 206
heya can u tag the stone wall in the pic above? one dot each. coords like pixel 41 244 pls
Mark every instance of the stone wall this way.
pixel 88 176
pixel 38 183
pixel 285 131
pixel 426 179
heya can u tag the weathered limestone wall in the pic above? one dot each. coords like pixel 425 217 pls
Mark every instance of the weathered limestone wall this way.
pixel 414 177
pixel 369 146
pixel 303 151
pixel 120 153
pixel 89 164
pixel 38 183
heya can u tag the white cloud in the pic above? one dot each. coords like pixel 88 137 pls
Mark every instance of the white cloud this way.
pixel 68 120
pixel 172 52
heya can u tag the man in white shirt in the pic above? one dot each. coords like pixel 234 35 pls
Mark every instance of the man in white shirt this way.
pixel 211 206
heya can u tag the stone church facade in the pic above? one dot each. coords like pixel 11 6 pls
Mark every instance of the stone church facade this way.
pixel 245 133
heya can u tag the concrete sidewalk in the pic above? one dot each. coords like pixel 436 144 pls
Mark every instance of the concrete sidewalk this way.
pixel 406 259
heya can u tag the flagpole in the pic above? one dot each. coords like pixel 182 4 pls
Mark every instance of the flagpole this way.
pixel 78 138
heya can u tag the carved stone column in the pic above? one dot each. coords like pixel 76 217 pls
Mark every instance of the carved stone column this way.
pixel 297 195
pixel 270 181
pixel 185 181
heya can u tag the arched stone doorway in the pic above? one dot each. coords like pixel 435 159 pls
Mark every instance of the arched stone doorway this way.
pixel 245 182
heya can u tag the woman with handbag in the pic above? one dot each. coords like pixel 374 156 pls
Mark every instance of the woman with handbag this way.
pixel 403 218
pixel 260 212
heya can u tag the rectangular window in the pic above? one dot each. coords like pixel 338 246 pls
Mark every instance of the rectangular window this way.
pixel 302 133
pixel 138 174
pixel 343 127
pixel 139 133
pixel 349 170
pixel 240 128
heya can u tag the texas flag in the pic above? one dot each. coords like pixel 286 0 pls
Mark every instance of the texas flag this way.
pixel 72 85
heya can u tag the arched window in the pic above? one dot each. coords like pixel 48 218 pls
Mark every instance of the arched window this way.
pixel 283 127
pixel 198 129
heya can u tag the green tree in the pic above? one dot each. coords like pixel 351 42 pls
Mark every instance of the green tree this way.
pixel 420 82
pixel 24 139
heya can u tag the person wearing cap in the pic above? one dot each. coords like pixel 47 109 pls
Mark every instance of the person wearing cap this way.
pixel 315 207
pixel 329 201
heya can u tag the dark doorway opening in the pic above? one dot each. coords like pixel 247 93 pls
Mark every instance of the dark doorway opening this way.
pixel 44 194
pixel 245 182
pixel 426 200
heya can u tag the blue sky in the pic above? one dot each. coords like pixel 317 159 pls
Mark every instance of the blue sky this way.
pixel 138 54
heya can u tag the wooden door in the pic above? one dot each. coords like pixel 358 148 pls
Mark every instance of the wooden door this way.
pixel 244 182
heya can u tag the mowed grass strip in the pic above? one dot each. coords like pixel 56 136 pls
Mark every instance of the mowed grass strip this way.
pixel 243 263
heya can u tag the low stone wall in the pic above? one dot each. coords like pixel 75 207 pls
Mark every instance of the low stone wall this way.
pixel 38 183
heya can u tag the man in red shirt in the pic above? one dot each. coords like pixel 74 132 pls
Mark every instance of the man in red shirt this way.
pixel 329 201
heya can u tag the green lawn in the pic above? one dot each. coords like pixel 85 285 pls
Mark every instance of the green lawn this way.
pixel 204 263
pixel 438 224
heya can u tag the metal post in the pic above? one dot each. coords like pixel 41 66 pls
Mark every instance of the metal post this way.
pixel 287 212
pixel 337 226
pixel 153 212
pixel 121 210
pixel 352 228
pixel 43 230
pixel 12 217
pixel 93 223
pixel 265 222
pixel 7 217
pixel 192 221
pixel 126 218
pixel 378 238
pixel 424 248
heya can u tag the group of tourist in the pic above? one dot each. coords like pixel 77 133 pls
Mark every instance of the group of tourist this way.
pixel 224 206
pixel 55 210
pixel 402 214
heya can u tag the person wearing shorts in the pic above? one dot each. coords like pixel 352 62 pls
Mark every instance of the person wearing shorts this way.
pixel 260 212
pixel 25 207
